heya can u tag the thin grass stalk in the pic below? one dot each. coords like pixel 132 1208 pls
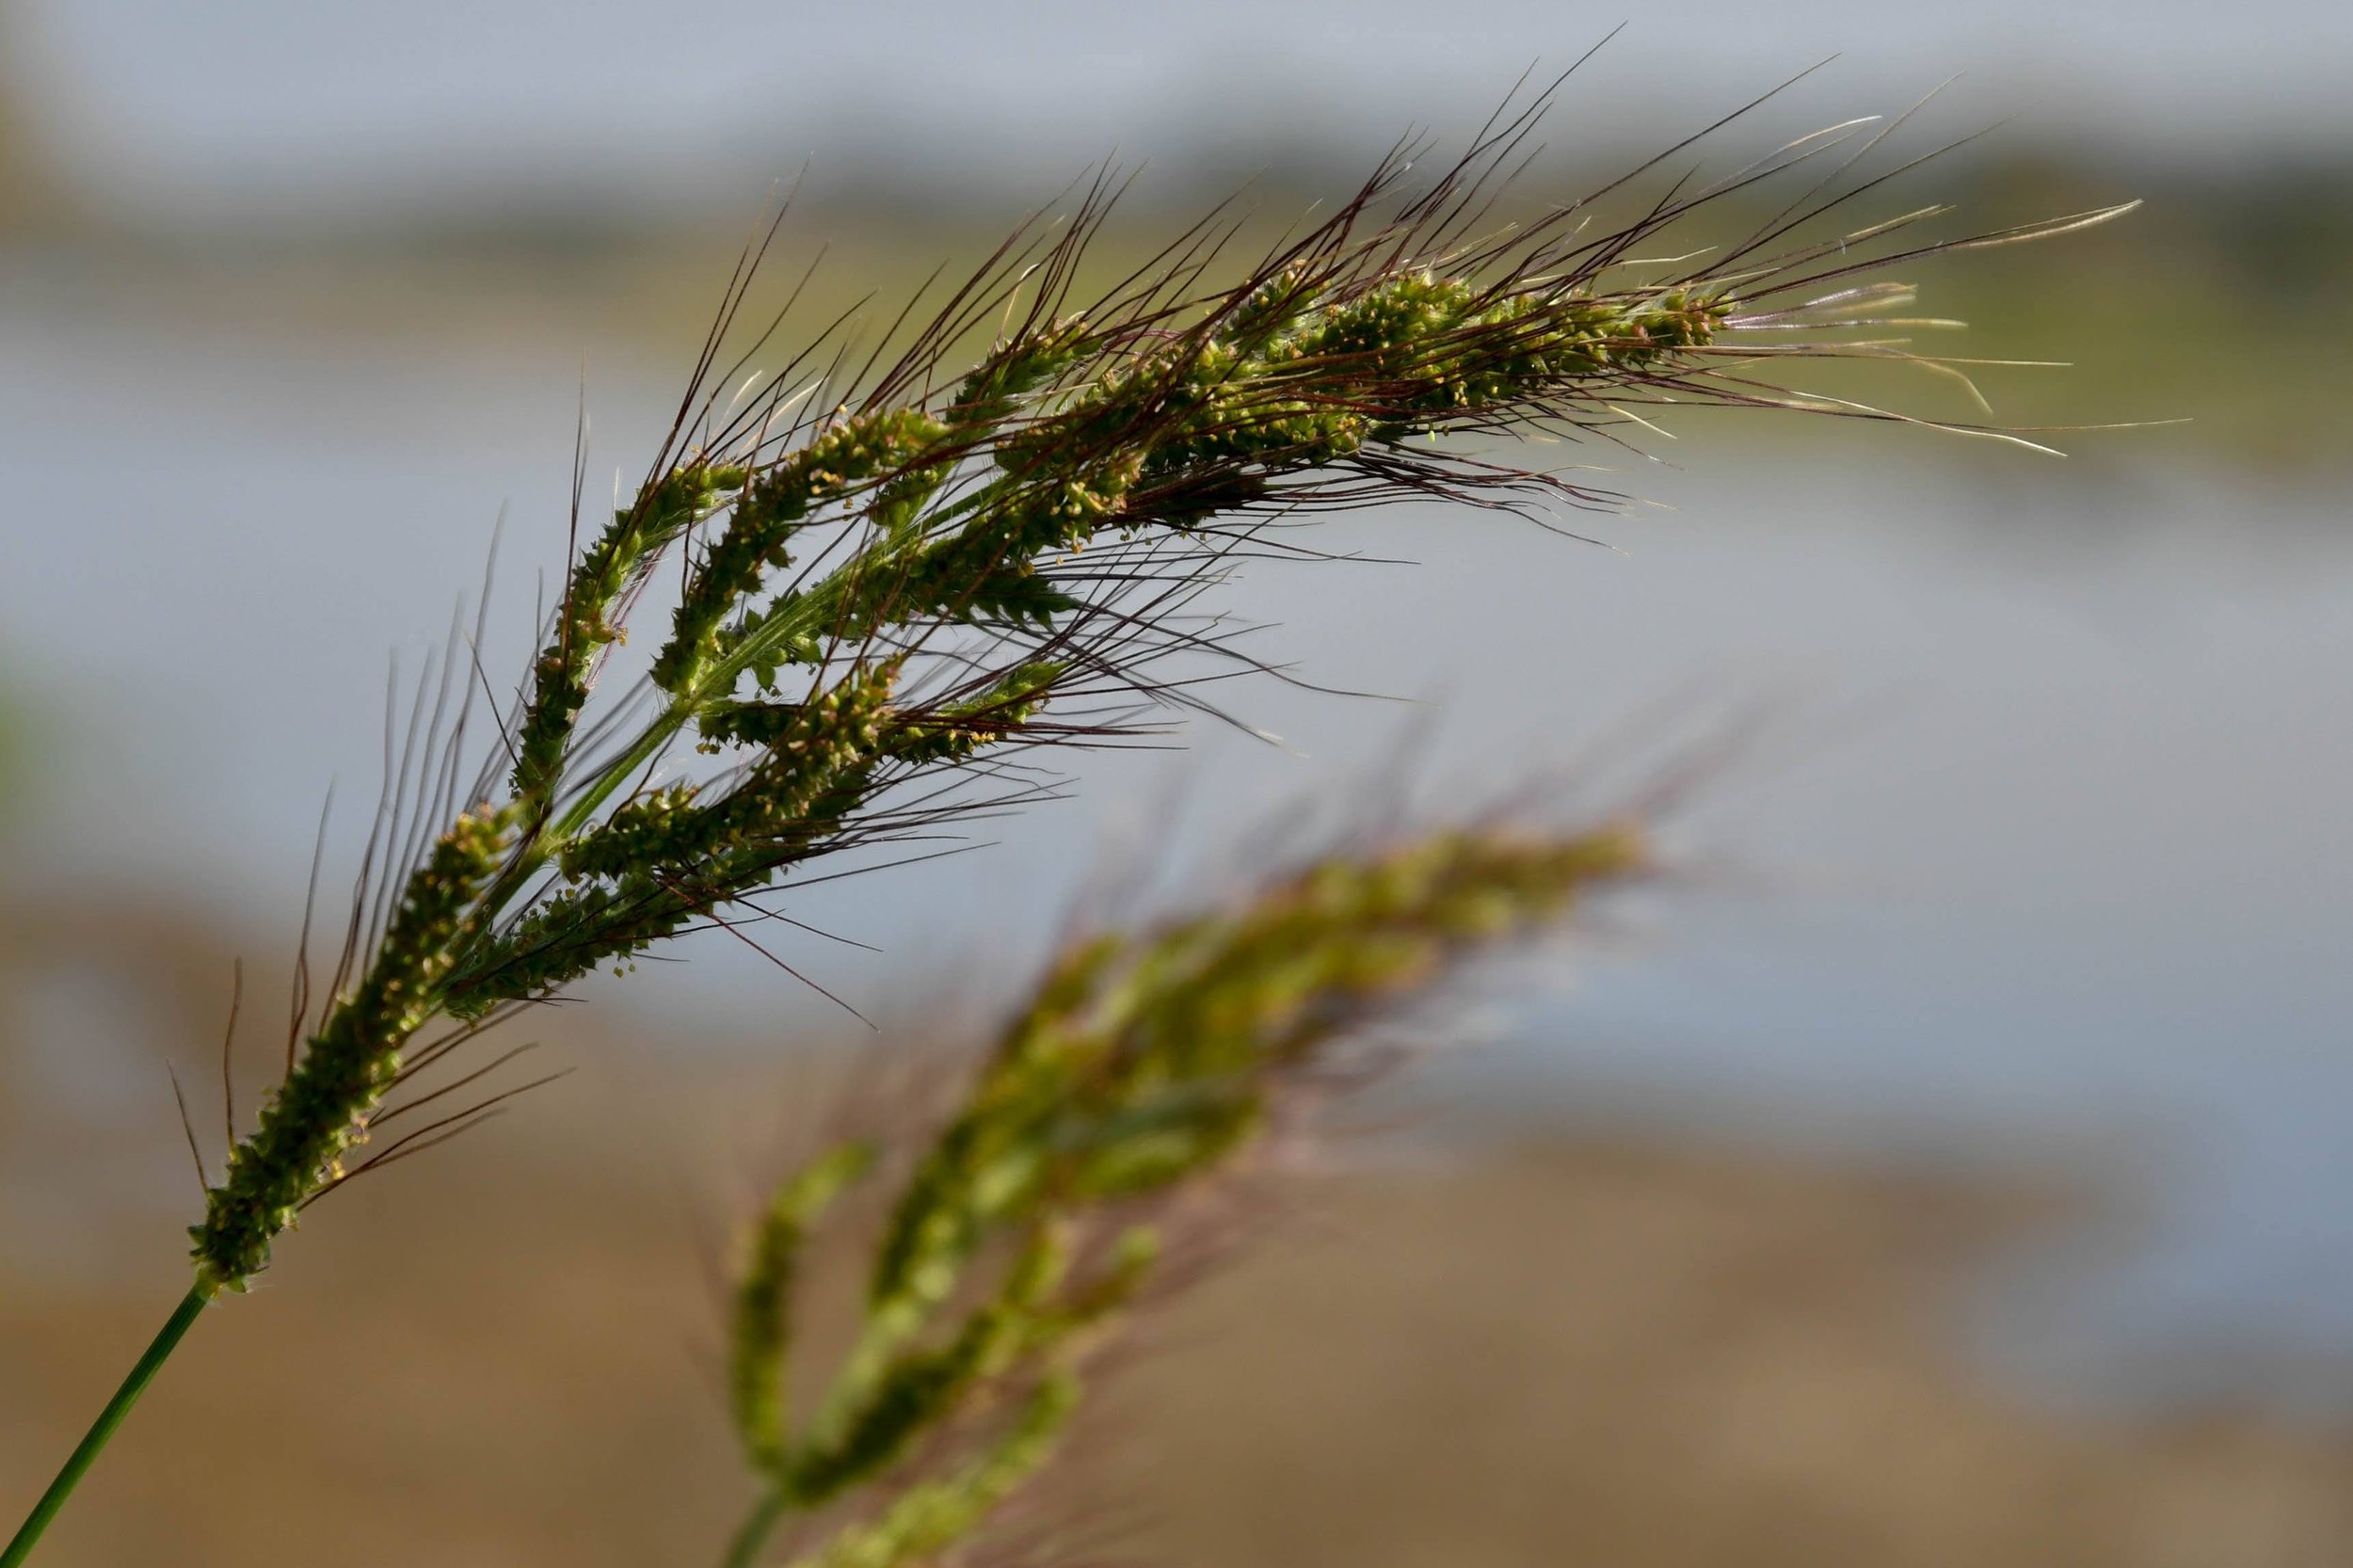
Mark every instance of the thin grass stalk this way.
pixel 101 1430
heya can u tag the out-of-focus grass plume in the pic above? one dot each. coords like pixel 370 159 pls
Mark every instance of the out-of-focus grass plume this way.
pixel 1142 1066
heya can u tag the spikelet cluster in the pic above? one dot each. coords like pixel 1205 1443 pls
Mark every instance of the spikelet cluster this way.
pixel 322 1109
pixel 1142 1066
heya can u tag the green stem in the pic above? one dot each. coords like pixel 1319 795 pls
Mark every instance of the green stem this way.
pixel 103 1429
pixel 744 1550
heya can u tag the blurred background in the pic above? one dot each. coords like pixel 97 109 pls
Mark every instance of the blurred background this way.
pixel 1951 1169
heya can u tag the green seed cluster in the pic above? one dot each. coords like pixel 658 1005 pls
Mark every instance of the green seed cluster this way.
pixel 663 827
pixel 955 730
pixel 323 1107
pixel 995 391
pixel 846 455
pixel 1142 1063
pixel 1401 358
pixel 821 758
pixel 668 859
pixel 617 558
pixel 1286 385
pixel 988 570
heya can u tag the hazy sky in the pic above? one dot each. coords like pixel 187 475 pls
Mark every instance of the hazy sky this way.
pixel 164 100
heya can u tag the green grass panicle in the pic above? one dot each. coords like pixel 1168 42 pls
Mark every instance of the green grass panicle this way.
pixel 1142 1067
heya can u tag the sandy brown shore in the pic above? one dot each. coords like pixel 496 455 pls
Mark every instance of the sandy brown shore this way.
pixel 1575 1348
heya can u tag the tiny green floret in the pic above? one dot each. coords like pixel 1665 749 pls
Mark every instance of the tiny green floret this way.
pixel 611 563
pixel 782 499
